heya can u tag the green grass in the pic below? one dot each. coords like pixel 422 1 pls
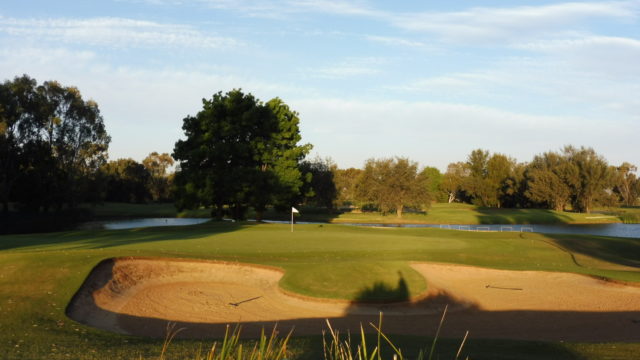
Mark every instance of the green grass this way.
pixel 40 272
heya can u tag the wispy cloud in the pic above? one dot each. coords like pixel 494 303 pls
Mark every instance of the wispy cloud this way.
pixel 492 24
pixel 350 67
pixel 277 8
pixel 477 24
pixel 352 131
pixel 117 32
pixel 396 41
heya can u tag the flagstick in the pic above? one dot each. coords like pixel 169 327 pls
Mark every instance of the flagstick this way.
pixel 291 220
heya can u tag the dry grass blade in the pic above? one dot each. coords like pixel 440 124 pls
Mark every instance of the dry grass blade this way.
pixel 170 335
pixel 462 344
pixel 435 339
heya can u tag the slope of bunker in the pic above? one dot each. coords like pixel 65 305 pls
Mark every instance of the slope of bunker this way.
pixel 139 296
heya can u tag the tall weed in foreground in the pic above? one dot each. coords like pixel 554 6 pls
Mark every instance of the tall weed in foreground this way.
pixel 337 348
pixel 269 347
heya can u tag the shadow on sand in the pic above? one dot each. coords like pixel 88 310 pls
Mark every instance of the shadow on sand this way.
pixel 416 317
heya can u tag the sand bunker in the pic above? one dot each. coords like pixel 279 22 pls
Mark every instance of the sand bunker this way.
pixel 140 295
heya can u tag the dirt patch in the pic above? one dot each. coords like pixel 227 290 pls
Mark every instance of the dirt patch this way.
pixel 140 295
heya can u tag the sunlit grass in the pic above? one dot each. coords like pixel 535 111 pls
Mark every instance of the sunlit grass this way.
pixel 39 273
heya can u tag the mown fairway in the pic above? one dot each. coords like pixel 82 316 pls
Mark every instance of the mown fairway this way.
pixel 39 274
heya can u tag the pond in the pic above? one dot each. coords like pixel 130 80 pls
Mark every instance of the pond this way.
pixel 138 223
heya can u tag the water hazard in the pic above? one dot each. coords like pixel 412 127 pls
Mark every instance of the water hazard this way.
pixel 139 223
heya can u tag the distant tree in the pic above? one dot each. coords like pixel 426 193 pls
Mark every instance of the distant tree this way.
pixel 52 142
pixel 76 135
pixel 433 182
pixel 453 180
pixel 346 181
pixel 126 181
pixel 548 177
pixel 159 182
pixel 590 176
pixel 512 193
pixel 14 109
pixel 476 183
pixel 239 152
pixel 487 176
pixel 392 185
pixel 322 187
pixel 626 183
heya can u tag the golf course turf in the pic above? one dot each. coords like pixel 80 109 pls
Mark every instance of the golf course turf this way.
pixel 40 273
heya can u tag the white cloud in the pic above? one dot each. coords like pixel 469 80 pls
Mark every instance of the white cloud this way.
pixel 495 24
pixel 143 108
pixel 438 133
pixel 116 32
pixel 280 8
pixel 335 7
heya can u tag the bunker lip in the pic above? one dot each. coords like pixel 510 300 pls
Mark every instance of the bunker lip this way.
pixel 139 295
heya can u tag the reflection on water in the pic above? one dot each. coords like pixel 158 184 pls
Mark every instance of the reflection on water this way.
pixel 138 223
pixel 618 230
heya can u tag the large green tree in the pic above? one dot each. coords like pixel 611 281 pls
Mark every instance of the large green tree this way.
pixel 238 153
pixel 393 184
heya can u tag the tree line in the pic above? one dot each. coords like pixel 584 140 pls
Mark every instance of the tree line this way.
pixel 573 178
pixel 240 153
pixel 52 142
pixel 53 153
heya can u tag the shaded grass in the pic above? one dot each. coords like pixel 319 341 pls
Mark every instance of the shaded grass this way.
pixel 439 213
pixel 39 274
pixel 456 213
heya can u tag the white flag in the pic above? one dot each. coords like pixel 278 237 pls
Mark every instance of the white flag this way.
pixel 294 210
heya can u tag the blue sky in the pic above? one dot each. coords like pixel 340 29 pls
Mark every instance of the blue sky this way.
pixel 423 79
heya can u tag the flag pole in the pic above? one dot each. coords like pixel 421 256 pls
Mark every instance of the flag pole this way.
pixel 293 210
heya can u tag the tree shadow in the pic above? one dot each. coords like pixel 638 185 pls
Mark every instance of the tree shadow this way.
pixel 380 291
pixel 87 239
pixel 414 317
pixel 490 216
pixel 616 250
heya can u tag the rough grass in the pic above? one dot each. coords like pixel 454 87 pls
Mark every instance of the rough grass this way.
pixel 40 272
